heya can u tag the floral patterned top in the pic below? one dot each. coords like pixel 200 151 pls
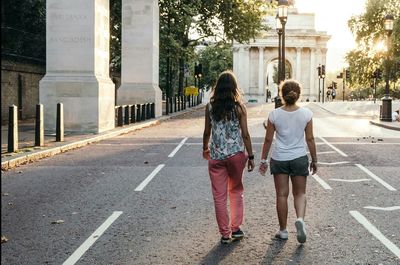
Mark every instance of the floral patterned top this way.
pixel 226 137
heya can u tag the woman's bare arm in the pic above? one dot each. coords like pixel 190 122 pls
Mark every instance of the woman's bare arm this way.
pixel 242 115
pixel 311 146
pixel 206 133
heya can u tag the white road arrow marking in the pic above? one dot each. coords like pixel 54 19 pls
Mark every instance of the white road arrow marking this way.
pixel 393 208
pixel 374 231
pixel 350 180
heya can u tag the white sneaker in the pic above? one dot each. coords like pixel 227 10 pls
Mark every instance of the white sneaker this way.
pixel 301 230
pixel 282 234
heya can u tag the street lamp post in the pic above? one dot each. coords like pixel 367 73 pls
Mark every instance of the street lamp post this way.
pixel 282 14
pixel 279 31
pixel 386 114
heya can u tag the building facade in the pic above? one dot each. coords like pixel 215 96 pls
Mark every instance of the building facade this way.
pixel 305 48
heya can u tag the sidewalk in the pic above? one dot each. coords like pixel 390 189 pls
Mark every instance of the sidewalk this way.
pixel 28 153
pixel 361 109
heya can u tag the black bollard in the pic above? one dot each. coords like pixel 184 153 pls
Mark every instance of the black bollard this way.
pixel 153 110
pixel 126 116
pixel 175 104
pixel 120 118
pixel 171 105
pixel 133 113
pixel 39 126
pixel 138 112
pixel 166 106
pixel 60 123
pixel 12 129
pixel 143 112
pixel 148 111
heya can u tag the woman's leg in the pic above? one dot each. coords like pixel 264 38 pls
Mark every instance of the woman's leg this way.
pixel 219 182
pixel 299 195
pixel 282 193
pixel 235 167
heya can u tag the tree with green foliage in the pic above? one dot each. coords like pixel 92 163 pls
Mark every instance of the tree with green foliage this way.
pixel 184 24
pixel 370 32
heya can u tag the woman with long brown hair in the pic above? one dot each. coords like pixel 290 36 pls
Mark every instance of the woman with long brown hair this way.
pixel 226 121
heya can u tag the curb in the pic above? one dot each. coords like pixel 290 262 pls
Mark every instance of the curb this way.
pixel 12 163
pixel 346 115
pixel 386 126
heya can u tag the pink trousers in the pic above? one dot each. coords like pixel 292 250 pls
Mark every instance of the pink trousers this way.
pixel 226 176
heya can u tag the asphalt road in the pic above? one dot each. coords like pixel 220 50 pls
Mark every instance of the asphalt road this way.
pixel 145 198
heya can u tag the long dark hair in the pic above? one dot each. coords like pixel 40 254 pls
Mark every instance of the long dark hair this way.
pixel 225 96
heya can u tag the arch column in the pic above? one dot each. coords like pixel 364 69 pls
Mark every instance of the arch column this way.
pixel 140 54
pixel 261 72
pixel 245 69
pixel 236 60
pixel 298 64
pixel 313 68
pixel 77 66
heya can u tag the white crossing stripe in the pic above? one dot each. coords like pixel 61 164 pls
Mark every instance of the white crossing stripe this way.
pixel 333 163
pixel 372 175
pixel 334 148
pixel 350 180
pixel 393 208
pixel 375 232
pixel 178 147
pixel 93 237
pixel 322 182
pixel 149 178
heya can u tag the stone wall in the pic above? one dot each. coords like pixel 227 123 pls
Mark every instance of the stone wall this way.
pixel 20 86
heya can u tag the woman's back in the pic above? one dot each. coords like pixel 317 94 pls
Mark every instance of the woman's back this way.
pixel 289 125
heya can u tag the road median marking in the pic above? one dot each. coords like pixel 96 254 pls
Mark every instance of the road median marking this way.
pixel 321 182
pixel 375 232
pixel 178 147
pixel 333 147
pixel 149 178
pixel 393 208
pixel 375 177
pixel 93 237
pixel 333 163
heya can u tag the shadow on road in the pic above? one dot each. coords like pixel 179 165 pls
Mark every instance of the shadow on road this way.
pixel 218 253
pixel 273 251
pixel 298 255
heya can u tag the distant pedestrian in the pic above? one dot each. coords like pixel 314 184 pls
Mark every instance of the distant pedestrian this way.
pixel 333 94
pixel 396 115
pixel 226 123
pixel 293 127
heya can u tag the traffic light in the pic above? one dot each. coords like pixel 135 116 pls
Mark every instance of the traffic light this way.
pixel 198 70
pixel 347 74
pixel 319 71
pixel 323 70
pixel 340 75
pixel 334 85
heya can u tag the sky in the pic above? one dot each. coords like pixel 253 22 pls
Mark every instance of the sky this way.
pixel 332 16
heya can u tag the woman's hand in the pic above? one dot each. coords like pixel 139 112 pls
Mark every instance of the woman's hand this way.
pixel 263 168
pixel 250 165
pixel 206 154
pixel 313 167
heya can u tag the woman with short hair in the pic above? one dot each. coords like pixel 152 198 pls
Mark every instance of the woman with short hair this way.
pixel 293 128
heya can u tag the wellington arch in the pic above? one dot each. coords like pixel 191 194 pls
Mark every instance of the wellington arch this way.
pixel 305 49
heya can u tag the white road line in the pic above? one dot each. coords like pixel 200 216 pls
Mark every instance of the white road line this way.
pixel 326 152
pixel 350 180
pixel 375 232
pixel 149 178
pixel 178 147
pixel 334 148
pixel 393 208
pixel 93 237
pixel 333 163
pixel 322 182
pixel 372 175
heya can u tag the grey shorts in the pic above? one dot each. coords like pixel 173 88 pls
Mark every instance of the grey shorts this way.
pixel 295 167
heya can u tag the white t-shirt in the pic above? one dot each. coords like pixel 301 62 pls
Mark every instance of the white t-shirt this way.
pixel 395 116
pixel 289 133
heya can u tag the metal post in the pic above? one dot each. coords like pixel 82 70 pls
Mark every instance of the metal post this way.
pixel 179 103
pixel 39 126
pixel 12 129
pixel 374 90
pixel 148 111
pixel 126 116
pixel 175 103
pixel 323 89
pixel 60 123
pixel 283 22
pixel 143 112
pixel 387 100
pixel 344 86
pixel 138 114
pixel 120 118
pixel 153 110
pixel 133 113
pixel 167 106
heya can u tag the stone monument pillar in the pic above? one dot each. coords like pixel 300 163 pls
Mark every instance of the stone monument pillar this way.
pixel 140 54
pixel 77 66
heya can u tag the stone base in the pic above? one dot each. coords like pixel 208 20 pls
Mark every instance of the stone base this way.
pixel 89 103
pixel 252 98
pixel 134 93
